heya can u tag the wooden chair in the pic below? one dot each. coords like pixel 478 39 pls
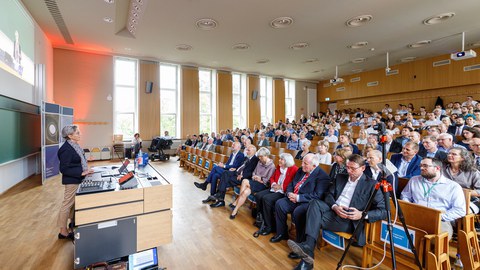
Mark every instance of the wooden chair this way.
pixel 326 168
pixel 201 161
pixel 184 155
pixel 207 165
pixel 402 183
pixel 467 237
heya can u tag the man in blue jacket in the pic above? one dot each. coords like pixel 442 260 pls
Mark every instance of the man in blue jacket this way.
pixel 407 162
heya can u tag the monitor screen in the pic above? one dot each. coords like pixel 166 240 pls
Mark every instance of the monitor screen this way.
pixel 143 260
pixel 123 168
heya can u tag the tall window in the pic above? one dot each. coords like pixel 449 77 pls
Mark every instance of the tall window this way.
pixel 290 99
pixel 239 98
pixel 266 99
pixel 207 100
pixel 125 97
pixel 169 100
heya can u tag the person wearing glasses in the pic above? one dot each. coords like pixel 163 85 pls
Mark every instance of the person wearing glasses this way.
pixel 475 145
pixel 341 210
pixel 433 189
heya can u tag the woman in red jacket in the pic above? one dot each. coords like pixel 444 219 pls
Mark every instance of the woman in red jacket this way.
pixel 266 199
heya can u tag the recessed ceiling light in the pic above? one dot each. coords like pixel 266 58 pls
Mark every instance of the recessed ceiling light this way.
pixel 241 46
pixel 262 61
pixel 358 45
pixel 281 22
pixel 408 59
pixel 359 60
pixel 107 19
pixel 183 47
pixel 359 20
pixel 358 70
pixel 206 24
pixel 438 18
pixel 299 45
pixel 109 1
pixel 311 60
pixel 419 44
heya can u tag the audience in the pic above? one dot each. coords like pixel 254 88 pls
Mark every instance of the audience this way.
pixel 408 162
pixel 445 142
pixel 324 157
pixel 304 150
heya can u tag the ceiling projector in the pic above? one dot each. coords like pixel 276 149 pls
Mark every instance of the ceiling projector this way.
pixel 463 55
pixel 336 80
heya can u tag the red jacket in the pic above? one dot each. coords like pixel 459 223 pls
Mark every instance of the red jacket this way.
pixel 288 176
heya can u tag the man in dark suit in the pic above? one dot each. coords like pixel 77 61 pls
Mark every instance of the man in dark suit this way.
pixel 309 183
pixel 234 177
pixel 279 136
pixel 341 210
pixel 457 129
pixel 407 162
pixel 263 140
pixel 430 149
pixel 234 161
pixel 399 142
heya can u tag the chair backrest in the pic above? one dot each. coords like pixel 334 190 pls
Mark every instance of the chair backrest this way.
pixel 402 183
pixel 327 168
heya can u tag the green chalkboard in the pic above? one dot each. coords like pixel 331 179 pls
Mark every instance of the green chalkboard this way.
pixel 20 132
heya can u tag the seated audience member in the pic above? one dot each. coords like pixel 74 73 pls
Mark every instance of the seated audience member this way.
pixel 263 141
pixel 340 158
pixel 407 162
pixel 411 119
pixel 209 146
pixel 294 143
pixel 187 142
pixel 287 135
pixel 324 157
pixel 367 148
pixel 374 168
pixel 234 177
pixel 279 182
pixel 388 142
pixel 470 120
pixel 461 169
pixel 475 145
pixel 203 143
pixel 431 120
pixel 362 137
pixel 344 139
pixel 469 101
pixel 259 181
pixel 468 134
pixel 331 137
pixel 309 183
pixel 445 142
pixel 391 127
pixel 398 120
pixel 234 161
pixel 304 150
pixel 218 139
pixel 434 190
pixel 373 140
pixel 387 109
pixel 303 136
pixel 400 141
pixel 279 136
pixel 136 144
pixel 341 210
pixel 430 149
pixel 371 128
pixel 457 129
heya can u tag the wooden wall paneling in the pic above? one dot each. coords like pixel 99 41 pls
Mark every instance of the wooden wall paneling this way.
pixel 190 98
pixel 253 106
pixel 224 100
pixel 278 100
pixel 149 103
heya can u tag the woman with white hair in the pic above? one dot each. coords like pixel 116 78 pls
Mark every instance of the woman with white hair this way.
pixel 304 150
pixel 267 198
pixel 261 175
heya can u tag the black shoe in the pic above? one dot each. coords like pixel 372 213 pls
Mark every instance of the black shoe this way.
pixel 231 206
pixel 217 204
pixel 303 265
pixel 69 236
pixel 292 255
pixel 202 186
pixel 266 231
pixel 278 237
pixel 301 250
pixel 210 199
pixel 232 216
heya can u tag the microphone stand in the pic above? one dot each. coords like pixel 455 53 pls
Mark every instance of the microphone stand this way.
pixel 385 187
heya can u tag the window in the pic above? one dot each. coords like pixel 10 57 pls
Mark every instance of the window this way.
pixel 125 98
pixel 169 100
pixel 290 99
pixel 207 100
pixel 239 100
pixel 266 100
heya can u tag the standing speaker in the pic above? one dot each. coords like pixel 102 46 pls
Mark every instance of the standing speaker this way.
pixel 148 87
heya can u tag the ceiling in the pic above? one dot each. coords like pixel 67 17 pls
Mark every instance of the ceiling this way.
pixel 164 24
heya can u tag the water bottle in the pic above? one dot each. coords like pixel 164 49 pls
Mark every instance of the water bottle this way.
pixel 457 265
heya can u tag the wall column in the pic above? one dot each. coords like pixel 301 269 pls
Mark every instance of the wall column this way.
pixel 278 100
pixel 149 103
pixel 224 100
pixel 253 106
pixel 189 101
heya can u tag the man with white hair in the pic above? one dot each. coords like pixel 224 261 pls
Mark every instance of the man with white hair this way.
pixel 445 142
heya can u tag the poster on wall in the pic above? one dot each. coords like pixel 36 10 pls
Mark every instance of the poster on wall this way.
pixel 52 164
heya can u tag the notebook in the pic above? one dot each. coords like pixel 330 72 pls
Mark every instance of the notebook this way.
pixel 121 170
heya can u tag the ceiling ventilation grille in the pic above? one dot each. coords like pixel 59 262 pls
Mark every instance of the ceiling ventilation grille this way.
pixel 57 17
pixel 325 85
pixel 356 79
pixel 375 83
pixel 470 68
pixel 392 72
pixel 339 89
pixel 441 63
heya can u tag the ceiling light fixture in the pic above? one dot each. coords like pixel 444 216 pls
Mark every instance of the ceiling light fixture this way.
pixel 299 45
pixel 109 1
pixel 183 47
pixel 359 60
pixel 359 20
pixel 135 12
pixel 419 44
pixel 438 18
pixel 281 22
pixel 107 20
pixel 358 45
pixel 206 24
pixel 241 46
